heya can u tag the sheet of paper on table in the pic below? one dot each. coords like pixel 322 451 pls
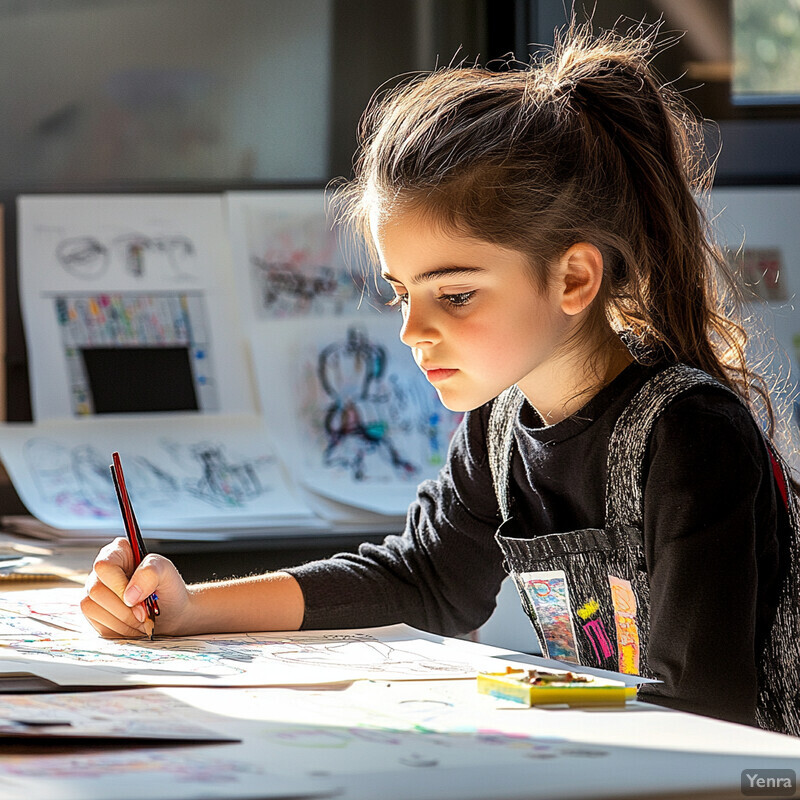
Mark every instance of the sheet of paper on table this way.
pixel 396 652
pixel 136 714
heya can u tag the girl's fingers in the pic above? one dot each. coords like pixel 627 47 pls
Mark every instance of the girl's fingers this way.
pixel 145 580
pixel 106 623
pixel 113 565
pixel 116 592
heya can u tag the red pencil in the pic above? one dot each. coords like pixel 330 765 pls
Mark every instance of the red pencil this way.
pixel 134 536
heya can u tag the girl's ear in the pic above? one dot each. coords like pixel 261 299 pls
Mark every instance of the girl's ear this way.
pixel 581 273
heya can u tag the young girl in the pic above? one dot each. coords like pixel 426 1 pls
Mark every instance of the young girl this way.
pixel 540 232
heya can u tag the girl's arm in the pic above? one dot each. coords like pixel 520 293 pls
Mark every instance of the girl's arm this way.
pixel 115 593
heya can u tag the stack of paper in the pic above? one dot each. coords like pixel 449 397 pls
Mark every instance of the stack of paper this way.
pixel 247 374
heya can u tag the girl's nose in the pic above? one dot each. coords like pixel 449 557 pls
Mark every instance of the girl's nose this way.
pixel 418 328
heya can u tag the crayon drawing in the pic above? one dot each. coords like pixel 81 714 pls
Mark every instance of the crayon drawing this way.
pixel 297 263
pixel 372 418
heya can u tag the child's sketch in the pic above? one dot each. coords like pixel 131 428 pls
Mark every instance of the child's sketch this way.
pixel 294 262
pixel 350 372
pixel 358 650
pixel 83 257
pixel 373 419
pixel 172 255
pixel 77 479
pixel 134 254
pixel 243 659
pixel 222 482
pixel 167 656
pixel 53 608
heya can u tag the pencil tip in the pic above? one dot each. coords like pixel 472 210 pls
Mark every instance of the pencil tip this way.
pixel 149 628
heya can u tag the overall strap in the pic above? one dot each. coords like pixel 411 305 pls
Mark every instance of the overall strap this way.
pixel 630 437
pixel 500 443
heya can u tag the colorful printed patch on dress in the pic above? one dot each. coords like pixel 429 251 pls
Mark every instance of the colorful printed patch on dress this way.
pixel 549 596
pixel 592 625
pixel 628 647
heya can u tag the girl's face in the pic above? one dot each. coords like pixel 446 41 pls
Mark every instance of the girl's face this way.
pixel 472 314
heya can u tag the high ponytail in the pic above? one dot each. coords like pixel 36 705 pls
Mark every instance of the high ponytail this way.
pixel 667 279
pixel 585 144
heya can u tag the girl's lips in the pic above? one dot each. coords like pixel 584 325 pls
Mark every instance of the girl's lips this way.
pixel 436 375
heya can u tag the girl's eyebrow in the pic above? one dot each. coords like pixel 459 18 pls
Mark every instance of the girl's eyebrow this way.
pixel 437 272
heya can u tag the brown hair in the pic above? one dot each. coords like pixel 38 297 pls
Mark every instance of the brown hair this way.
pixel 585 144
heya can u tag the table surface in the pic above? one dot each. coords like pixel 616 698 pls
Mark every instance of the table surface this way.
pixel 374 739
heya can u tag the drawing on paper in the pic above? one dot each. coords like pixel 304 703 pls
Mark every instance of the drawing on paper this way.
pixel 83 257
pixel 373 421
pixel 61 612
pixel 350 373
pixel 358 651
pixel 440 741
pixel 97 331
pixel 135 254
pixel 220 657
pixel 299 264
pixel 77 479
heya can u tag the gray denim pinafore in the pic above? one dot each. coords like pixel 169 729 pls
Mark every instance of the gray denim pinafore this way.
pixel 587 592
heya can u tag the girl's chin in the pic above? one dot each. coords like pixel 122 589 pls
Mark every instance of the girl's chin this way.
pixel 453 401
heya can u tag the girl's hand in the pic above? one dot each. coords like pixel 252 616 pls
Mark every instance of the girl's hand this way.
pixel 115 593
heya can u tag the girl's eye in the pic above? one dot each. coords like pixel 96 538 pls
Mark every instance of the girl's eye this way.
pixel 457 300
pixel 398 300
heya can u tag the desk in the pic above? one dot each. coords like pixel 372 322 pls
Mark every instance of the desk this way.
pixel 373 740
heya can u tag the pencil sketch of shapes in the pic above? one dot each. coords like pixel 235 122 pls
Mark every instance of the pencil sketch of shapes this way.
pixel 222 482
pixel 149 483
pixel 357 651
pixel 172 658
pixel 357 417
pixel 171 255
pixel 76 480
pixel 132 249
pixel 177 253
pixel 83 257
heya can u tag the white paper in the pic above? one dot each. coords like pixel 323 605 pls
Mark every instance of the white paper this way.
pixel 442 739
pixel 251 659
pixel 182 472
pixel 121 271
pixel 134 714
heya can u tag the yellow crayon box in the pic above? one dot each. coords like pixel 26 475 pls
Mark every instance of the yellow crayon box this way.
pixel 533 687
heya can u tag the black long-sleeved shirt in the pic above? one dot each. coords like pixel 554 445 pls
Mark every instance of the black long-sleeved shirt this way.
pixel 713 527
